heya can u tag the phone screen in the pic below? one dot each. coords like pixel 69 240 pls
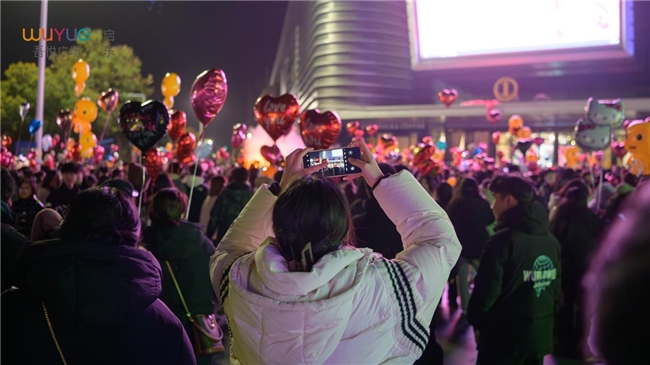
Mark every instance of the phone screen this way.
pixel 337 161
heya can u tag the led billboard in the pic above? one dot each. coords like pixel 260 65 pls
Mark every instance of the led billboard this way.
pixel 449 34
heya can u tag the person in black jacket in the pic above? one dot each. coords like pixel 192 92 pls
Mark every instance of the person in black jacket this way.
pixel 63 195
pixel 229 204
pixel 470 214
pixel 91 297
pixel 577 228
pixel 517 287
pixel 184 245
pixel 373 228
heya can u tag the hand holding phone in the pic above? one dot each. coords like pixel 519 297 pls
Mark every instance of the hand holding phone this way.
pixel 367 165
pixel 336 160
pixel 294 168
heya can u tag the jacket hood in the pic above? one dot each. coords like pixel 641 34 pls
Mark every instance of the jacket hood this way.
pixel 87 283
pixel 298 314
pixel 170 242
pixel 530 218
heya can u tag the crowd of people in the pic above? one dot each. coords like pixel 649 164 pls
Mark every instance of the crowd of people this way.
pixel 102 266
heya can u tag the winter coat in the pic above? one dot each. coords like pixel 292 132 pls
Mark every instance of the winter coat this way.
pixel 13 242
pixel 470 217
pixel 61 197
pixel 188 252
pixel 373 229
pixel 24 211
pixel 229 204
pixel 354 306
pixel 103 306
pixel 517 285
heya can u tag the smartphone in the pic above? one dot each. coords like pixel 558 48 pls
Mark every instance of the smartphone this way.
pixel 337 161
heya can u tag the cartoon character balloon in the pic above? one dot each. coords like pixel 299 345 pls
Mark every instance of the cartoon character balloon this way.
pixel 605 112
pixel 84 113
pixel 572 156
pixel 592 137
pixel 170 87
pixel 80 73
pixel 637 143
pixel 88 142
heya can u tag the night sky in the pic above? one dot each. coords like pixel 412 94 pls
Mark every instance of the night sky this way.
pixel 183 37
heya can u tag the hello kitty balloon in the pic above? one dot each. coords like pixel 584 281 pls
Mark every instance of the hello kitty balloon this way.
pixel 592 137
pixel 605 112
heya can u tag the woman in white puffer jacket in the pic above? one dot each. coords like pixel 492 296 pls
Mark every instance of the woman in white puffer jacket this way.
pixel 294 293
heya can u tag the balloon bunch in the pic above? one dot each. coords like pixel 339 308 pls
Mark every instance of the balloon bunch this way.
pixel 593 133
pixel 423 158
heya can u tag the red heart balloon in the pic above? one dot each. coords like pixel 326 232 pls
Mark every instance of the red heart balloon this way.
pixel 496 137
pixel 237 138
pixel 387 142
pixel 185 149
pixel 6 140
pixel 352 127
pixel 108 100
pixel 153 159
pixel 372 129
pixel 358 134
pixel 423 152
pixel 271 154
pixel 618 148
pixel 319 131
pixel 448 96
pixel 276 115
pixel 208 95
pixel 493 115
pixel 177 125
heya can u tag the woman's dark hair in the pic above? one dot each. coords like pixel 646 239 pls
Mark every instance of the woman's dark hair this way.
pixel 312 210
pixel 573 183
pixel 563 179
pixel 89 182
pixel 466 188
pixel 444 193
pixel 101 215
pixel 49 176
pixel 32 185
pixel 167 206
pixel 616 284
pixel 162 181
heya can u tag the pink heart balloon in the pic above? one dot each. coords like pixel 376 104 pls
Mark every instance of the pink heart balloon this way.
pixel 208 95
pixel 271 154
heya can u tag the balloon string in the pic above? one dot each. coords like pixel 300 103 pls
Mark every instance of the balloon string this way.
pixel 20 132
pixel 142 190
pixel 108 117
pixel 29 146
pixel 189 202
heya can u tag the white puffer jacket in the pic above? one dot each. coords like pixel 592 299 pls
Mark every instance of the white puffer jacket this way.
pixel 354 307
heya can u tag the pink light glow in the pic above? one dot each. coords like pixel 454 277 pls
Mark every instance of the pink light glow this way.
pixel 453 28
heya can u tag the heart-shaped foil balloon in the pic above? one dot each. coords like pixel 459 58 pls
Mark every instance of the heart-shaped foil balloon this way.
pixel 144 124
pixel 185 149
pixel 208 95
pixel 618 148
pixel 276 115
pixel 524 145
pixel 108 100
pixel 271 154
pixel 352 127
pixel 6 140
pixel 153 160
pixel 387 142
pixel 448 96
pixel 358 134
pixel 423 152
pixel 538 141
pixel 319 131
pixel 177 125
pixel 23 110
pixel 237 138
pixel 372 129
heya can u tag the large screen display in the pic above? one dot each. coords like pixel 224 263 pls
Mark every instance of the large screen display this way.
pixel 444 29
